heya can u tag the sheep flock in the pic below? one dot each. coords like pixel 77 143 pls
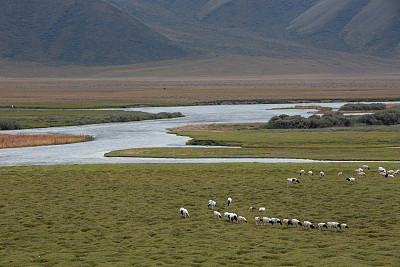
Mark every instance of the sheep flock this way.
pixel 231 217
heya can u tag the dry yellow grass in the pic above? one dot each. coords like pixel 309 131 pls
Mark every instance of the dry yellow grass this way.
pixel 183 91
pixel 22 140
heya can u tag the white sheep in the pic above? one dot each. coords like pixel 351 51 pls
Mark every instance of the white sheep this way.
pixel 212 204
pixel 351 179
pixel 302 172
pixel 217 214
pixel 274 221
pixel 365 167
pixel 381 169
pixel 321 174
pixel 252 208
pixel 322 225
pixel 310 173
pixel 391 172
pixel 229 201
pixel 333 225
pixel 397 172
pixel 241 219
pixel 184 212
pixel 343 226
pixel 308 225
pixel 389 175
pixel 292 180
pixel 262 220
pixel 233 217
pixel 339 173
pixel 296 223
pixel 226 216
pixel 358 170
pixel 262 209
pixel 286 222
pixel 361 174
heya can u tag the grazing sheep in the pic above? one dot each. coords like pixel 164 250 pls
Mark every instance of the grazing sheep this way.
pixel 389 175
pixel 333 225
pixel 296 223
pixel 390 172
pixel 310 173
pixel 308 225
pixel 322 225
pixel 212 204
pixel 233 217
pixel 229 201
pixel 321 174
pixel 358 170
pixel 381 169
pixel 351 179
pixel 227 216
pixel 343 226
pixel 292 180
pixel 184 212
pixel 382 173
pixel 252 208
pixel 397 172
pixel 286 222
pixel 365 167
pixel 242 219
pixel 340 173
pixel 230 216
pixel 259 220
pixel 361 174
pixel 274 221
pixel 262 209
pixel 302 172
pixel 217 214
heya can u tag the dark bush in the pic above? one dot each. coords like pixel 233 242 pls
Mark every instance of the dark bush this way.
pixel 360 106
pixel 9 124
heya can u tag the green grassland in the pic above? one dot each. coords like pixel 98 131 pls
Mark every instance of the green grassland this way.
pixel 40 118
pixel 128 214
pixel 361 143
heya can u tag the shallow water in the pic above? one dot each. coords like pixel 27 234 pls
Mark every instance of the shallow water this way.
pixel 153 133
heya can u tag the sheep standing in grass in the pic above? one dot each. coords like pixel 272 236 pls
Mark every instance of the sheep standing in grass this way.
pixel 212 204
pixel 310 173
pixel 308 225
pixel 252 208
pixel 365 167
pixel 333 225
pixel 302 172
pixel 241 219
pixel 343 226
pixel 286 222
pixel 229 201
pixel 351 179
pixel 340 173
pixel 361 174
pixel 217 214
pixel 184 212
pixel 292 180
pixel 322 225
pixel 296 223
pixel 262 209
pixel 274 221
pixel 321 174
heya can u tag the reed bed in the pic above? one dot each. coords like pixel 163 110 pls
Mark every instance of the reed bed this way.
pixel 23 140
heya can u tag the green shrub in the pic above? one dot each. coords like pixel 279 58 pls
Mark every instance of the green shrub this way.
pixel 9 124
pixel 361 106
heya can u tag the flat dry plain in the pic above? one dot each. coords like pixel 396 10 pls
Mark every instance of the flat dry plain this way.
pixel 95 92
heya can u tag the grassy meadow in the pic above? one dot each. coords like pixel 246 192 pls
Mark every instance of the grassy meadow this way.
pixel 42 118
pixel 128 214
pixel 23 140
pixel 253 141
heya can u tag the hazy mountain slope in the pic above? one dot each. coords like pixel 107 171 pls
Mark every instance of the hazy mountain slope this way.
pixel 78 32
pixel 371 26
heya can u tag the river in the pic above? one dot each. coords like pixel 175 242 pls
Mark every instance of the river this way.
pixel 151 133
